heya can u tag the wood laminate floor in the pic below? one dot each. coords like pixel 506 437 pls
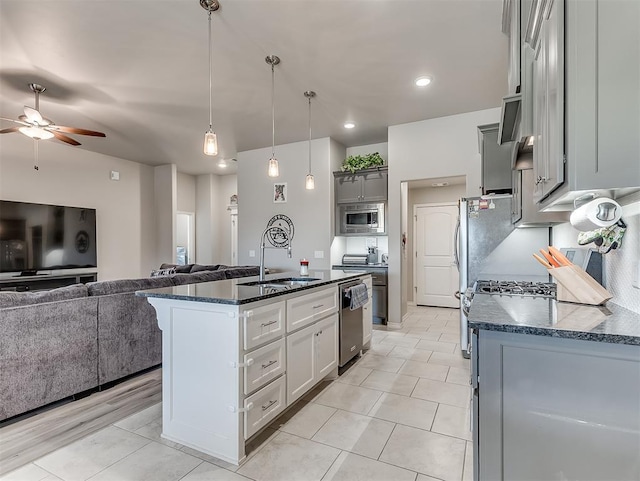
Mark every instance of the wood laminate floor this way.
pixel 26 440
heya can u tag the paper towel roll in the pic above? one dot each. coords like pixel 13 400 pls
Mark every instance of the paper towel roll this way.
pixel 598 213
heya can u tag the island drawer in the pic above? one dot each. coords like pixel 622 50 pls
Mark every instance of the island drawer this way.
pixel 262 407
pixel 305 310
pixel 263 324
pixel 263 365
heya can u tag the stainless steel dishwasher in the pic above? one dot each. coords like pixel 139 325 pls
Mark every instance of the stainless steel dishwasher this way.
pixel 350 335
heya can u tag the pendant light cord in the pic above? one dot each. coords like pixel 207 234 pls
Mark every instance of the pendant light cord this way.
pixel 210 86
pixel 273 112
pixel 309 135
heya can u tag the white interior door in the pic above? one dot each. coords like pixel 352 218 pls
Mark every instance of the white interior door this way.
pixel 435 273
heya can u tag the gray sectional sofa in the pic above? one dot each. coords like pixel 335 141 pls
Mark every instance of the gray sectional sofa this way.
pixel 59 343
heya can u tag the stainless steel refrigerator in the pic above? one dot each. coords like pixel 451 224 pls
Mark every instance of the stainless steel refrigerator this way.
pixel 489 247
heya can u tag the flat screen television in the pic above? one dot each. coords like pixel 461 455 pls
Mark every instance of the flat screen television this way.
pixel 36 237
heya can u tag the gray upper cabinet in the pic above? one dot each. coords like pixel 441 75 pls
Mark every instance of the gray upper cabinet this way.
pixel 548 101
pixel 586 102
pixel 496 161
pixel 511 28
pixel 365 186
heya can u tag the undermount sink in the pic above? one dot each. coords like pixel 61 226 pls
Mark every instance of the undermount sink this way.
pixel 282 283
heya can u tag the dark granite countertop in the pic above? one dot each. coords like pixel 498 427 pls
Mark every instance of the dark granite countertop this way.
pixel 232 291
pixel 547 317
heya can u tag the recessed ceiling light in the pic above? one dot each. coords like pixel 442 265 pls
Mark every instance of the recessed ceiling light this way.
pixel 423 81
pixel 349 125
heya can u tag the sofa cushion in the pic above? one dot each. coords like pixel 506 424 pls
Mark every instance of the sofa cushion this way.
pixel 240 271
pixel 179 269
pixel 104 288
pixel 200 267
pixel 203 276
pixel 17 299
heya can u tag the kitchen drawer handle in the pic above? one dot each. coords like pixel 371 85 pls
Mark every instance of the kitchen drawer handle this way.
pixel 265 324
pixel 271 403
pixel 318 306
pixel 270 363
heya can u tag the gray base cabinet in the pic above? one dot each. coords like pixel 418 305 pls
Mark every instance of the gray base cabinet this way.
pixel 548 408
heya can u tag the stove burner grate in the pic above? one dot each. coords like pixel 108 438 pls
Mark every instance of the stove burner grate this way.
pixel 516 288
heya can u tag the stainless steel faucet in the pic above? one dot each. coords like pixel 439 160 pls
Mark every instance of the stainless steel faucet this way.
pixel 287 246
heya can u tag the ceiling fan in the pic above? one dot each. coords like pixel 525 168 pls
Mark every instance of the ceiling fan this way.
pixel 34 125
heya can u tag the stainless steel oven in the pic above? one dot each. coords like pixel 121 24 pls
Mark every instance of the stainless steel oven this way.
pixel 359 219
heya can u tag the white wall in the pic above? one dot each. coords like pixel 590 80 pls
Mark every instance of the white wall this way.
pixel 186 192
pixel 442 147
pixel 166 201
pixel 621 264
pixel 213 229
pixel 75 177
pixel 311 211
pixel 382 149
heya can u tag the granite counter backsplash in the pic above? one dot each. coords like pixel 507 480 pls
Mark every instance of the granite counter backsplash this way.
pixel 547 317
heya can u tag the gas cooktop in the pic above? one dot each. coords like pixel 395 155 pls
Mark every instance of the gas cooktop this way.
pixel 516 288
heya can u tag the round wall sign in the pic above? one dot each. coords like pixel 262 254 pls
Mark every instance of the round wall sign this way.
pixel 282 236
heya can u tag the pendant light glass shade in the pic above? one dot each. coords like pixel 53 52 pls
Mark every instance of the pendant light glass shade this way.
pixel 273 169
pixel 210 143
pixel 210 138
pixel 309 183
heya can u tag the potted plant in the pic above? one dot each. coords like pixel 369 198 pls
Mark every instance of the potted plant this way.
pixel 354 163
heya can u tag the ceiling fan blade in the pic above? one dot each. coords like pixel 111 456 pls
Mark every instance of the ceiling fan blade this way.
pixel 14 120
pixel 33 115
pixel 9 130
pixel 64 138
pixel 74 130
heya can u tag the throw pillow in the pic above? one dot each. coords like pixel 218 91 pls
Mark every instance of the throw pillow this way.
pixel 163 272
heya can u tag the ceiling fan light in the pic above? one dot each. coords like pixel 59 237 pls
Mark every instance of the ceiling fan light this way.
pixel 309 183
pixel 36 133
pixel 210 143
pixel 273 171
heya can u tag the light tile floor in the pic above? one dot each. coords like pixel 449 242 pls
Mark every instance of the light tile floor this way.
pixel 400 412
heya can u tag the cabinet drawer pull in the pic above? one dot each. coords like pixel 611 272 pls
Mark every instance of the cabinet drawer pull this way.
pixel 318 306
pixel 265 324
pixel 270 363
pixel 271 403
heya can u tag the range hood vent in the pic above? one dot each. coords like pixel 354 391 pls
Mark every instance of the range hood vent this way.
pixel 510 118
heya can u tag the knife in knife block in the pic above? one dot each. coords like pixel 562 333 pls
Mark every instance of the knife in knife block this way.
pixel 575 285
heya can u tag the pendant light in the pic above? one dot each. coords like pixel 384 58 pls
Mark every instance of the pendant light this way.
pixel 309 183
pixel 210 138
pixel 273 170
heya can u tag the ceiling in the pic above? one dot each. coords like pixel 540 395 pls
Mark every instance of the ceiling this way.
pixel 138 70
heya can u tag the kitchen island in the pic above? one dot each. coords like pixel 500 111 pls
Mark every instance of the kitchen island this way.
pixel 236 353
pixel 556 390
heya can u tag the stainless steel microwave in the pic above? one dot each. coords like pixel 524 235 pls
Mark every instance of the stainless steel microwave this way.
pixel 361 219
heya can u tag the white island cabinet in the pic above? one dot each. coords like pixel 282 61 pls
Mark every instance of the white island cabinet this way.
pixel 229 369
